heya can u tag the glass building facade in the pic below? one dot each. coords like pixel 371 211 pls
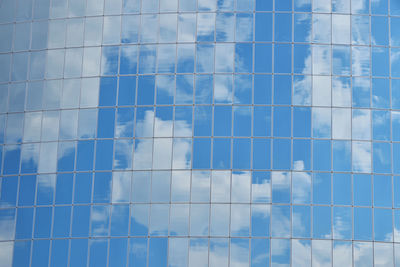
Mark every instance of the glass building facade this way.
pixel 197 133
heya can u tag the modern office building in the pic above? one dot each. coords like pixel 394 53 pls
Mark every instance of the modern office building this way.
pixel 199 133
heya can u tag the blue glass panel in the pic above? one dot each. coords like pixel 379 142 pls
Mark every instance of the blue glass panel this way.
pixel 98 252
pixel 341 156
pixel 379 7
pixel 394 27
pixel 137 252
pixel 201 153
pixel 204 89
pixel 127 91
pixel 301 221
pixel 322 222
pixel 80 221
pixel 396 158
pixel 321 188
pixel 183 121
pixel 241 153
pixel 102 187
pixel 179 220
pixel 125 122
pixel 100 220
pixel 382 191
pixel 239 252
pixel 301 154
pixel 243 86
pixel 341 189
pixel 66 156
pixel 27 190
pixel 261 187
pixel 78 254
pixel 263 27
pixel 222 121
pixel 282 58
pixel 281 184
pixel 147 59
pixel 184 89
pixel 242 121
pixel 262 89
pixel 263 61
pixel 11 159
pixel 64 187
pixel 8 191
pixel 282 121
pixel 123 154
pixel 383 227
pixel 301 58
pixel 342 223
pixel 158 252
pixel 280 221
pixel 243 58
pixel 262 121
pixel 302 27
pixel 128 58
pixel 146 90
pixel 361 65
pixel 380 93
pixel 261 154
pixel 301 122
pixel 118 249
pixel 139 220
pixel 321 155
pixel 205 58
pixel 83 188
pixel 109 64
pixel 59 253
pixel 202 121
pixel 108 91
pixel 45 189
pixel 381 125
pixel 283 26
pixel 165 86
pixel 40 253
pixel 105 123
pixel 380 61
pixel 282 89
pixel 395 62
pixel 301 187
pixel 382 152
pixel 361 92
pixel 61 221
pixel 222 153
pixel 281 154
pixel 362 190
pixel 341 60
pixel 363 224
pixel 379 30
pixel 22 252
pixel 264 5
pixel 104 153
pixel 24 223
pixel 225 23
pixel 43 222
pixel 280 252
pixel 219 252
pixel 244 27
pixel 199 221
pixel 85 155
pixel 260 220
pixel 185 58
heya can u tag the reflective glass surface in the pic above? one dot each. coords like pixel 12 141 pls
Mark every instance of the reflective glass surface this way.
pixel 172 133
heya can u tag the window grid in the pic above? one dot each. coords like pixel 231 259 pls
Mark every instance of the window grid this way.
pixel 273 140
